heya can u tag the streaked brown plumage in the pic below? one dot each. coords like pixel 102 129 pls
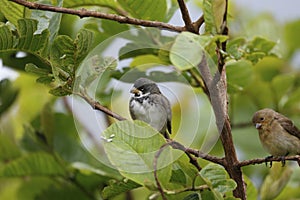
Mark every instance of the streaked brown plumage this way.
pixel 278 135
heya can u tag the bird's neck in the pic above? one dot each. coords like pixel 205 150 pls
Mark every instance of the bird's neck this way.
pixel 141 96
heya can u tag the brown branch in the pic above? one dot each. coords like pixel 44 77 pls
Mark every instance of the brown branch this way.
pixel 86 13
pixel 197 24
pixel 217 94
pixel 196 153
pixel 159 187
pixel 186 17
pixel 263 160
pixel 97 106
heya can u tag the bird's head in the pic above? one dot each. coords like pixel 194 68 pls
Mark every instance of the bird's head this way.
pixel 143 87
pixel 262 118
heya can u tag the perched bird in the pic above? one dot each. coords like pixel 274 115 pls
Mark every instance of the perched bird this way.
pixel 278 135
pixel 148 104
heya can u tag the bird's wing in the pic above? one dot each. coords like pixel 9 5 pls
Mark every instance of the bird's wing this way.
pixel 288 125
pixel 169 126
pixel 165 104
pixel 169 113
pixel 130 110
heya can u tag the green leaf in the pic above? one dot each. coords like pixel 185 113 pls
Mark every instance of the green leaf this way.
pixel 30 41
pixel 8 95
pixel 260 93
pixel 87 169
pixel 60 91
pixel 183 172
pixel 83 44
pixel 193 196
pixel 136 49
pixel 12 11
pixel 275 182
pixel 217 179
pixel 47 124
pixel 8 149
pixel 239 74
pixel 146 9
pixel 235 47
pixel 282 84
pixel 147 61
pixel 119 187
pixel 6 37
pixel 27 39
pixel 104 29
pixel 104 3
pixel 36 164
pixel 293 102
pixel 48 20
pixel 45 75
pixel 131 148
pixel 291 32
pixel 32 68
pixel 251 189
pixel 66 55
pixel 62 56
pixel 182 56
pixel 268 68
pixel 178 176
pixel 95 68
pixel 213 15
pixel 259 44
pixel 67 144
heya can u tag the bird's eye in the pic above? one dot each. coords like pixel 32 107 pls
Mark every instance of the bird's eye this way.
pixel 262 118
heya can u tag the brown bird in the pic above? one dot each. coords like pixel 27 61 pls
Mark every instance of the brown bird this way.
pixel 277 133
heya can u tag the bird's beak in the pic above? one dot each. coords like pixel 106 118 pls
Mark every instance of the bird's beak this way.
pixel 134 90
pixel 258 125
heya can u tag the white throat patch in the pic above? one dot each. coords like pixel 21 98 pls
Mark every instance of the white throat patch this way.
pixel 141 95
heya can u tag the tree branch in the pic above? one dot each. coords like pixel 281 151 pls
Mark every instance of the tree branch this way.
pixel 263 160
pixel 86 13
pixel 97 106
pixel 186 17
pixel 159 187
pixel 176 145
pixel 197 24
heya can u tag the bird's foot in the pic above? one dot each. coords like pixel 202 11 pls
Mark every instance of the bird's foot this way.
pixel 282 160
pixel 267 159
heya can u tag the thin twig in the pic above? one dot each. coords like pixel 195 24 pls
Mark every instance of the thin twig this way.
pixel 159 187
pixel 193 161
pixel 97 106
pixel 263 160
pixel 197 24
pixel 196 153
pixel 198 188
pixel 86 13
pixel 186 16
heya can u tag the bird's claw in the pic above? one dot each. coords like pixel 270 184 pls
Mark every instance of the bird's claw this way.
pixel 267 159
pixel 282 160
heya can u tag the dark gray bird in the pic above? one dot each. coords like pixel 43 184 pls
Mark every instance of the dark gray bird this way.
pixel 148 104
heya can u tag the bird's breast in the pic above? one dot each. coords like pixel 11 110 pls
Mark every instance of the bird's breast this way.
pixel 147 111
